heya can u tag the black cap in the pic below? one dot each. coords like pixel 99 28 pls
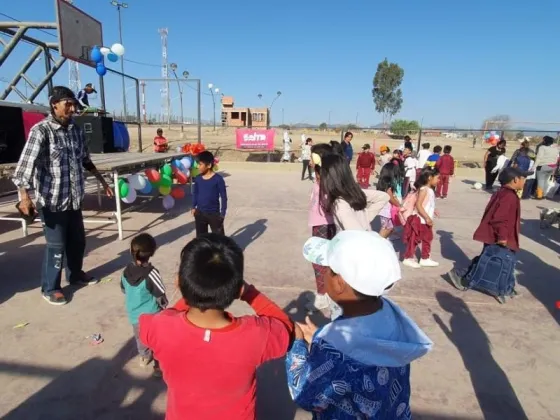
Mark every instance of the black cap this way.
pixel 366 146
pixel 61 93
pixel 509 174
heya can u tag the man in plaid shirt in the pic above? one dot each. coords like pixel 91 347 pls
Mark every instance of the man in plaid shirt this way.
pixel 53 162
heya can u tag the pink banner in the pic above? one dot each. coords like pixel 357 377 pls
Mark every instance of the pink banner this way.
pixel 246 138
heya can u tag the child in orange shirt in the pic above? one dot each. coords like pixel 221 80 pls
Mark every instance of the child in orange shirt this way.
pixel 160 142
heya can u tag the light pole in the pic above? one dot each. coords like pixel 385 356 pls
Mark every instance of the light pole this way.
pixel 212 91
pixel 270 109
pixel 173 68
pixel 120 6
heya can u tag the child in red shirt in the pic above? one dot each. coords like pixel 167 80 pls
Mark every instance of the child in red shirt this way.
pixel 365 164
pixel 160 142
pixel 209 357
pixel 446 167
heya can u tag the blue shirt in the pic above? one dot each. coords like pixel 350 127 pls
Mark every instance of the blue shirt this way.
pixel 207 194
pixel 348 151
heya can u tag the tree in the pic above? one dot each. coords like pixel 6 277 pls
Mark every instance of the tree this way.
pixel 323 126
pixel 386 92
pixel 404 127
pixel 284 127
pixel 497 123
pixel 519 135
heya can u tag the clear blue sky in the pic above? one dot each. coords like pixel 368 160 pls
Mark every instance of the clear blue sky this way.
pixel 463 60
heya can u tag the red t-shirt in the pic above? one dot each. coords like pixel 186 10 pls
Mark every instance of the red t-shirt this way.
pixel 160 144
pixel 211 374
pixel 365 160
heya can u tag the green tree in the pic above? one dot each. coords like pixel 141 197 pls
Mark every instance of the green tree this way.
pixel 404 127
pixel 323 126
pixel 519 135
pixel 386 92
pixel 284 127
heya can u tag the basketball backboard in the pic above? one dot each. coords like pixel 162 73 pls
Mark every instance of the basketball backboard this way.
pixel 78 32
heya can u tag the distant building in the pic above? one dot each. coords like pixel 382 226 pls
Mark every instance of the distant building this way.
pixel 242 117
pixel 431 133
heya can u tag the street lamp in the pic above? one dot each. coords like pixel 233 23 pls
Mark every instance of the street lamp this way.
pixel 120 6
pixel 212 91
pixel 270 109
pixel 173 68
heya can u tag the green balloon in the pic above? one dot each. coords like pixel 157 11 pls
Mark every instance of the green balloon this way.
pixel 123 189
pixel 166 180
pixel 167 170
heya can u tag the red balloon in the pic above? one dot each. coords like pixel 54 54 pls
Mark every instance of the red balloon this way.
pixel 153 175
pixel 177 193
pixel 181 177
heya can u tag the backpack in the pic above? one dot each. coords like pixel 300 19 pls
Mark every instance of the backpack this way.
pixel 493 272
pixel 408 206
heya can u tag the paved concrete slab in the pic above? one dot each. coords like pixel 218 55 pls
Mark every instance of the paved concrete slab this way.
pixel 489 361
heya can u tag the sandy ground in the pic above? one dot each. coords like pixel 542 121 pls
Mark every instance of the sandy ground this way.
pixel 223 141
pixel 489 361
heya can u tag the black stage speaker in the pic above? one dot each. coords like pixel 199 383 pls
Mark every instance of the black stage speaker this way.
pixel 12 134
pixel 98 132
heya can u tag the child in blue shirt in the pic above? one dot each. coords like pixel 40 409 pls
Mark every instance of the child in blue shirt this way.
pixel 357 366
pixel 209 197
pixel 144 291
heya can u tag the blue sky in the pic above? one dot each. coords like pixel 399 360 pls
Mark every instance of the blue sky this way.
pixel 463 60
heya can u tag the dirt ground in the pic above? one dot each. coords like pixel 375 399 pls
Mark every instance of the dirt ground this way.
pixel 222 141
pixel 489 361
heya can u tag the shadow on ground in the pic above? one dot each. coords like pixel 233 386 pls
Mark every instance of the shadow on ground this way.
pixel 249 233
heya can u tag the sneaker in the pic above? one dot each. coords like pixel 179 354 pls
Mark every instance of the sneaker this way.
pixel 318 302
pixel 456 280
pixel 429 263
pixel 411 262
pixel 144 361
pixel 55 298
pixel 84 280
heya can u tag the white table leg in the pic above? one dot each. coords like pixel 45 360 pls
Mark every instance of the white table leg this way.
pixel 118 204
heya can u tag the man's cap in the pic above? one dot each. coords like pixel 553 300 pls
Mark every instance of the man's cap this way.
pixel 366 146
pixel 365 260
pixel 509 174
pixel 90 85
pixel 384 148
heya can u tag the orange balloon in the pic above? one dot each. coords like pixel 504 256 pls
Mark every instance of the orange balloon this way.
pixel 178 193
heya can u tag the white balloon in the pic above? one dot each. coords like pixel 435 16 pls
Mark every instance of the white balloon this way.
pixel 186 162
pixel 168 202
pixel 179 149
pixel 137 181
pixel 131 197
pixel 118 49
pixel 187 173
pixel 478 186
pixel 105 51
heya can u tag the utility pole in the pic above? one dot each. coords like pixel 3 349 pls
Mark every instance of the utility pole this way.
pixel 120 6
pixel 165 104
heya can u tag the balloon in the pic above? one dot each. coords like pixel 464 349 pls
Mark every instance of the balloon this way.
pixel 186 162
pixel 101 69
pixel 163 190
pixel 153 175
pixel 124 190
pixel 181 177
pixel 166 169
pixel 487 135
pixel 147 188
pixel 194 164
pixel 478 186
pixel 137 181
pixel 130 197
pixel 177 163
pixel 112 57
pixel 168 202
pixel 216 160
pixel 194 172
pixel 215 168
pixel 117 49
pixel 166 180
pixel 179 149
pixel 105 51
pixel 96 55
pixel 177 193
pixel 187 173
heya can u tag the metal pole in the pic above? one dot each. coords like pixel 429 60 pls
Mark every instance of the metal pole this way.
pixel 47 58
pixel 45 81
pixel 282 116
pixel 214 102
pixel 11 45
pixel 139 119
pixel 199 111
pixel 122 66
pixel 102 91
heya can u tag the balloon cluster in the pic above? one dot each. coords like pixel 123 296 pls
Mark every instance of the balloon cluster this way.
pixel 193 149
pixel 162 181
pixel 98 55
pixel 491 137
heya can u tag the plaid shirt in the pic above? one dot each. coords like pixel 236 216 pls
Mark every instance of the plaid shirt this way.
pixel 53 162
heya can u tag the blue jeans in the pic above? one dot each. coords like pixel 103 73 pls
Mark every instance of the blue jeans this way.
pixel 65 236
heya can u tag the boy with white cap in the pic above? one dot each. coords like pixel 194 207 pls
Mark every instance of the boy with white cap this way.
pixel 357 366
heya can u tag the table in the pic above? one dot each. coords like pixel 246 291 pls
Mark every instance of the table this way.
pixel 115 165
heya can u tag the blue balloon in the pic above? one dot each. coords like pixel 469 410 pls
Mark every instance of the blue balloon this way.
pixel 96 54
pixel 177 163
pixel 112 57
pixel 147 189
pixel 101 69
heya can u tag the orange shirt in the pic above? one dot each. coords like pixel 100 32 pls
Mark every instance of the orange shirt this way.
pixel 160 144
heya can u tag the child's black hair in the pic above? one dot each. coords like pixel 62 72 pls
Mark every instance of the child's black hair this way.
pixel 206 157
pixel 447 149
pixel 336 147
pixel 390 176
pixel 309 139
pixel 547 141
pixel 211 272
pixel 337 182
pixel 426 146
pixel 159 130
pixel 425 176
pixel 437 149
pixel 143 247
